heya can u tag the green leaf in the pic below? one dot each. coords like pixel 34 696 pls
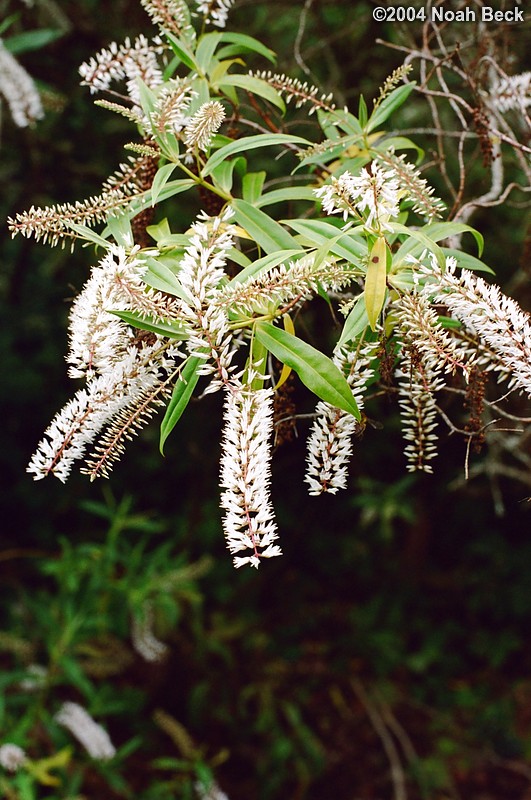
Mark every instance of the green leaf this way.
pixel 350 247
pixel 315 370
pixel 398 143
pixel 245 43
pixel 181 49
pixel 170 189
pixel 32 40
pixel 222 176
pixel 388 105
pixel 266 232
pixel 179 400
pixel 160 231
pixel 376 281
pixel 88 234
pixel 466 261
pixel 206 49
pixel 250 143
pixel 255 86
pixel 171 330
pixel 160 277
pixel 363 114
pixel 442 230
pixel 426 242
pixel 252 184
pixel 355 323
pixel 283 195
pixel 119 226
pixel 160 180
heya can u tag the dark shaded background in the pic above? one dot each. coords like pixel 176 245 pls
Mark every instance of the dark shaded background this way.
pixel 407 594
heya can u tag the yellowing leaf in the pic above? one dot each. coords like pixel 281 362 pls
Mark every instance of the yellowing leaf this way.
pixel 375 281
pixel 286 371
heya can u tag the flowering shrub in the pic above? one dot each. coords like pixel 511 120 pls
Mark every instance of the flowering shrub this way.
pixel 165 311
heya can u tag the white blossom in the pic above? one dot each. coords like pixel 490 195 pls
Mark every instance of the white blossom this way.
pixel 19 90
pixel 376 193
pixel 329 446
pixel 201 270
pixel 245 474
pixel 512 92
pixel 12 757
pixel 128 62
pixel 418 383
pixel 143 637
pixel 215 11
pixel 203 125
pixel 86 730
pixel 84 416
pixel 485 311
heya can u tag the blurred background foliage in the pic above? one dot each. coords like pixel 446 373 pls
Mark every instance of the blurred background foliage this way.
pixel 385 655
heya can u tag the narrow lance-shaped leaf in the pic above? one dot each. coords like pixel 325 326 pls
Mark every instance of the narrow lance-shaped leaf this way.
pixel 179 400
pixel 265 231
pixel 250 143
pixel 173 330
pixel 315 370
pixel 286 370
pixel 375 281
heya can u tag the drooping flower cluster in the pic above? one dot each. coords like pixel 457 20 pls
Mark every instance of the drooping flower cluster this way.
pixel 245 475
pixel 86 730
pixel 143 637
pixel 495 318
pixel 418 383
pixel 512 93
pixel 330 444
pixel 19 90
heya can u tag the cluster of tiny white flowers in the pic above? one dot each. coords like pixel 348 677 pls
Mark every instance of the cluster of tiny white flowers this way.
pixel 329 447
pixel 416 187
pixel 419 325
pixel 124 62
pixel 294 89
pixel 486 312
pixel 202 269
pixel 201 127
pixel 85 415
pixel 215 11
pixel 298 280
pixel 245 474
pixel 376 192
pixel 418 383
pixel 170 15
pixel 12 757
pixel 87 731
pixel 19 90
pixel 513 92
pixel 171 106
pixel 143 638
pixel 98 339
